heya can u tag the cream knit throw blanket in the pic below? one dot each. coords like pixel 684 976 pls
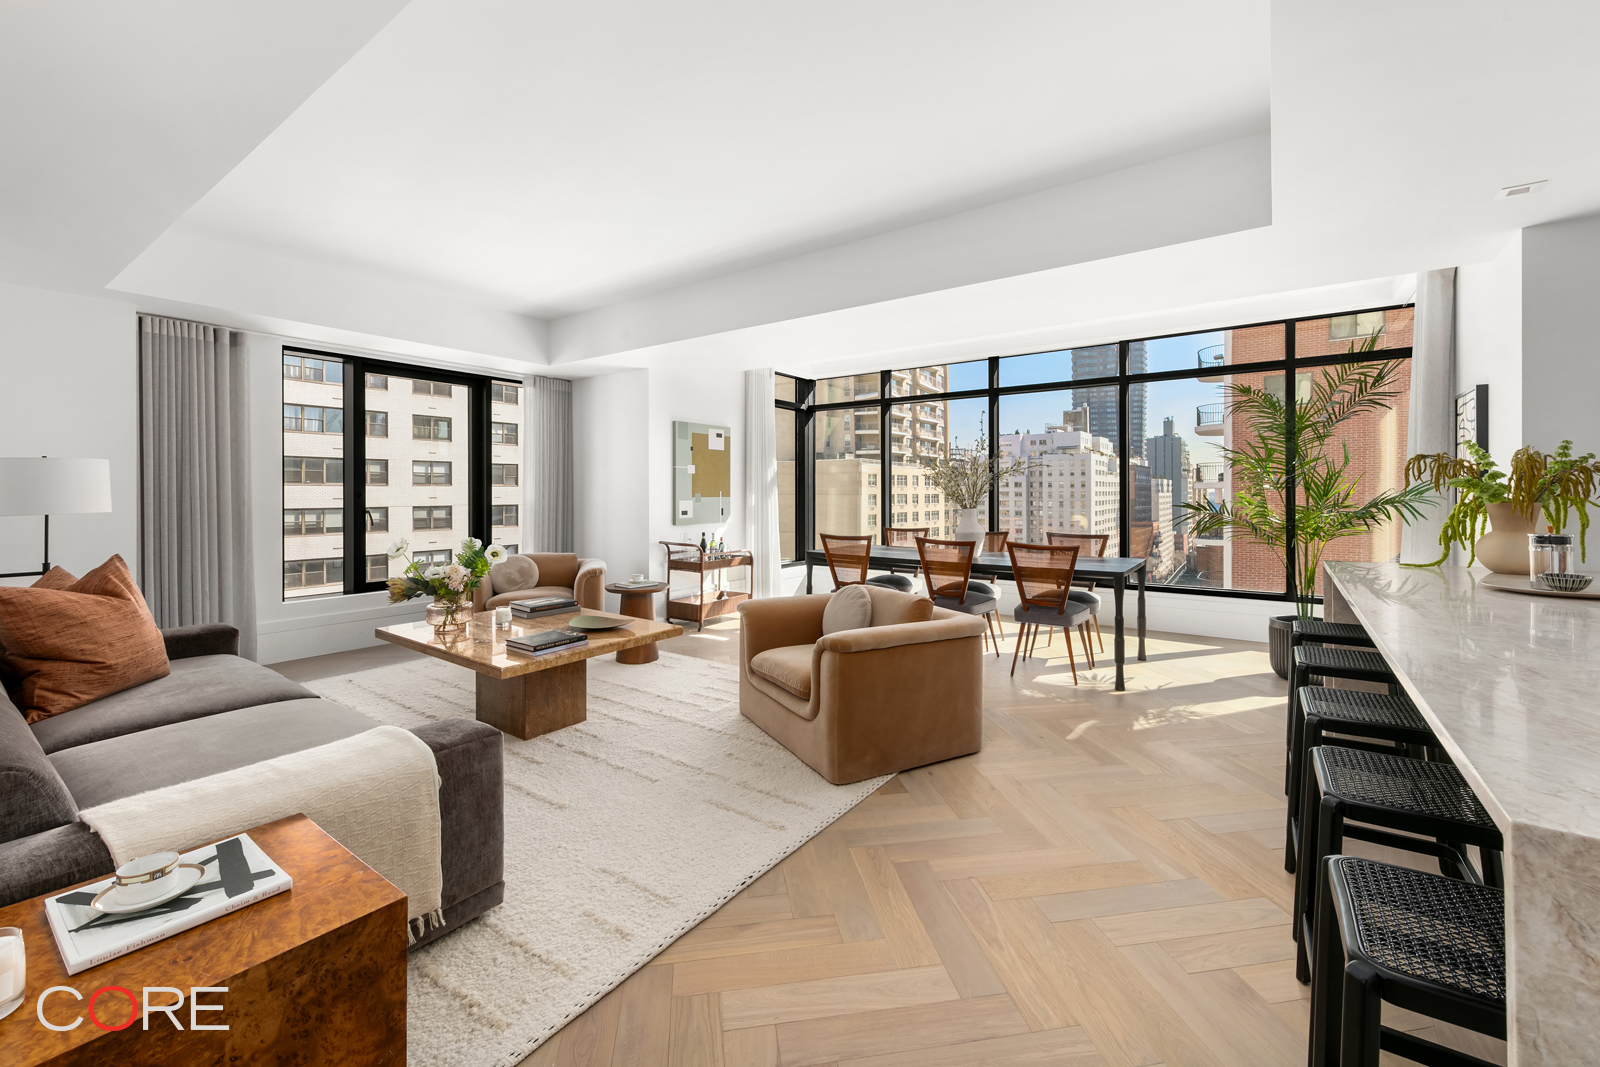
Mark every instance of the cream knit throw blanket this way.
pixel 376 793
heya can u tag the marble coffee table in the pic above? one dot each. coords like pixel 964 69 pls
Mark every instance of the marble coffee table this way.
pixel 522 695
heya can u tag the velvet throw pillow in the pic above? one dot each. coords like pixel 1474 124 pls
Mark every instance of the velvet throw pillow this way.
pixel 67 643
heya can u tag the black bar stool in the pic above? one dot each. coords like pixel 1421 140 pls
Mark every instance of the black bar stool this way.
pixel 1351 713
pixel 1418 941
pixel 1318 632
pixel 1323 661
pixel 1387 793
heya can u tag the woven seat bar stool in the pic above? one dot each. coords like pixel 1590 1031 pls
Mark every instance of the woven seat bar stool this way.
pixel 1323 661
pixel 1351 714
pixel 848 559
pixel 1384 793
pixel 1316 632
pixel 1428 944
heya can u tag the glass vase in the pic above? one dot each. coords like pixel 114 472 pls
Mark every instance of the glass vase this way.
pixel 449 616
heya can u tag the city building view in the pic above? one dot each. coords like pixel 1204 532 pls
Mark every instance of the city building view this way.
pixel 1067 440
pixel 417 472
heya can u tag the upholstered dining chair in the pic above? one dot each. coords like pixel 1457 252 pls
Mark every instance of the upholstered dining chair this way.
pixel 1044 578
pixel 947 576
pixel 848 557
pixel 1088 545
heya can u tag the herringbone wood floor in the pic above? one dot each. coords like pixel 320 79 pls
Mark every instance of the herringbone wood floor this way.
pixel 1102 884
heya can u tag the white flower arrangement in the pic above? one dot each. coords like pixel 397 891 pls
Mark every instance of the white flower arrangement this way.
pixel 495 554
pixel 397 548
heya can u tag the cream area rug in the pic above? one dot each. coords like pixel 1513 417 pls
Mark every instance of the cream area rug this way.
pixel 622 833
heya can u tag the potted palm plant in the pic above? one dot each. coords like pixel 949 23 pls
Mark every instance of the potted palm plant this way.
pixel 1327 503
pixel 1493 515
pixel 964 476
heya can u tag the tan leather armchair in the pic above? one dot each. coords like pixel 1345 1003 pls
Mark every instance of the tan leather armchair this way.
pixel 560 574
pixel 859 703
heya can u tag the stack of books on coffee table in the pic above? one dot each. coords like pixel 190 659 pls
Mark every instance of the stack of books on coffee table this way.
pixel 548 641
pixel 543 605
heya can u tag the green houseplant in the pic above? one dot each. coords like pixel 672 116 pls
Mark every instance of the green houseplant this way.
pixel 1327 502
pixel 1556 487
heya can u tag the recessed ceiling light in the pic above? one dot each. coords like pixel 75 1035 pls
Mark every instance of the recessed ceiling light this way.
pixel 1525 189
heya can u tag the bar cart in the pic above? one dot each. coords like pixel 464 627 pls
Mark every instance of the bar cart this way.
pixel 699 606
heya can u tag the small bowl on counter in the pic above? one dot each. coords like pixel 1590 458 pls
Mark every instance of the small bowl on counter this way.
pixel 1565 582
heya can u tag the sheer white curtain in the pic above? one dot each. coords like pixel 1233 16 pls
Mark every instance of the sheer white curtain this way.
pixel 761 480
pixel 547 457
pixel 194 467
pixel 1431 422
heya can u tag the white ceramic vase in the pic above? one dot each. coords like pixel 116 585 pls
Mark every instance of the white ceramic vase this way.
pixel 968 528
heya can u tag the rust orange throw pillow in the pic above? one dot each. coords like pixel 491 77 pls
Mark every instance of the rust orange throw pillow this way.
pixel 71 642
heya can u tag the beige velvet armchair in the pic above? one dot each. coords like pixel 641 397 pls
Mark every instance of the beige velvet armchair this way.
pixel 560 574
pixel 858 703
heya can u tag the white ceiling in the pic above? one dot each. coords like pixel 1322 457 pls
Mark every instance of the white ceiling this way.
pixel 555 156
pixel 619 182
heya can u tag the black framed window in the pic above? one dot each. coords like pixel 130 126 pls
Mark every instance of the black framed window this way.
pixel 447 454
pixel 1118 437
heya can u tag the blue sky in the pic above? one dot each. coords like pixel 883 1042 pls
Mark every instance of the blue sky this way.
pixel 1034 411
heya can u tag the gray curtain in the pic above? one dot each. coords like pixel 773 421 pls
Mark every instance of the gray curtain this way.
pixel 1431 425
pixel 547 493
pixel 194 485
pixel 761 481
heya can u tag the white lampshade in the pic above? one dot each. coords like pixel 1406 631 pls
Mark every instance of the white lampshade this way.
pixel 45 485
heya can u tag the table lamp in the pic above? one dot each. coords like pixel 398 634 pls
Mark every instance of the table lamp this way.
pixel 46 485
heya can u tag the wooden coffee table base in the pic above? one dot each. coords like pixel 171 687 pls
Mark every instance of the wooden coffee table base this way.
pixel 529 705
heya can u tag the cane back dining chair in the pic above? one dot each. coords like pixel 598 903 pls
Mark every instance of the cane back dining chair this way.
pixel 1088 545
pixel 947 576
pixel 848 558
pixel 1044 578
pixel 904 536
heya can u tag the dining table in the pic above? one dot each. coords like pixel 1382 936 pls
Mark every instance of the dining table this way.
pixel 1115 571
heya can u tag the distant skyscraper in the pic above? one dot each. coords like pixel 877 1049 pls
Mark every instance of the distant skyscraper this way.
pixel 1168 456
pixel 1101 400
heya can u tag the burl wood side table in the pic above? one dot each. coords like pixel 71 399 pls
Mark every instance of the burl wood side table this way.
pixel 316 975
pixel 639 602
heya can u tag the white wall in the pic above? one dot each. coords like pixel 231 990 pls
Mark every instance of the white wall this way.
pixel 1560 368
pixel 1489 341
pixel 611 472
pixel 71 372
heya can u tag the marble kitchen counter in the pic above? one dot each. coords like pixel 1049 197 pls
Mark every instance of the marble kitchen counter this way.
pixel 1511 685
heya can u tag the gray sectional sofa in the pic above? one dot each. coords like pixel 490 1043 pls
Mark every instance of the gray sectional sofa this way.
pixel 215 712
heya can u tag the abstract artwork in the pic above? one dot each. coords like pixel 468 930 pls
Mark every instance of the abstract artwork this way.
pixel 702 474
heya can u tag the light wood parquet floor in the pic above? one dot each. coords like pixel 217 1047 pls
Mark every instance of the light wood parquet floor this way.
pixel 1101 885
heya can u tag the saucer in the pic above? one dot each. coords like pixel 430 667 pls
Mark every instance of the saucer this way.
pixel 185 878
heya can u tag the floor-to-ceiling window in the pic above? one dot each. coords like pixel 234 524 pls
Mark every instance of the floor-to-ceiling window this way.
pixel 375 451
pixel 1117 438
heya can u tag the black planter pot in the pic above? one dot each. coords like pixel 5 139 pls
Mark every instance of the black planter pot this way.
pixel 1279 630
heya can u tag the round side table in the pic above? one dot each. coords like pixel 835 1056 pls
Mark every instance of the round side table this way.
pixel 639 602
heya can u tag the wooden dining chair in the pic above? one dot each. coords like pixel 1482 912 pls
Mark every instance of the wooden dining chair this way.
pixel 1044 578
pixel 994 542
pixel 947 576
pixel 849 556
pixel 1088 545
pixel 903 536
